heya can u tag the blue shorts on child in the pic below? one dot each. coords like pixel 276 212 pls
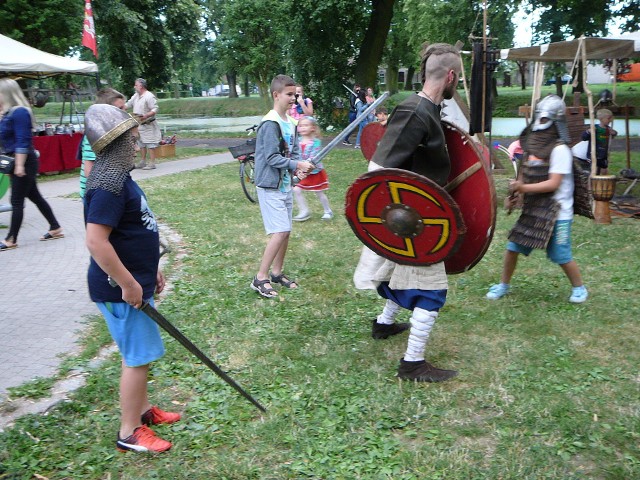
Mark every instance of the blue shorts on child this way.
pixel 559 247
pixel 137 336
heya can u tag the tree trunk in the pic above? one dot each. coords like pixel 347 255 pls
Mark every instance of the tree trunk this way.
pixel 408 84
pixel 392 79
pixel 263 88
pixel 522 68
pixel 231 78
pixel 246 86
pixel 373 43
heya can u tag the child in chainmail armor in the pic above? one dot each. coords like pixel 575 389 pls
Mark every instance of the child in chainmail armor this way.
pixel 122 237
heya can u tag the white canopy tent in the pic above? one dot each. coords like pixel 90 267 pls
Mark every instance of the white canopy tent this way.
pixel 20 60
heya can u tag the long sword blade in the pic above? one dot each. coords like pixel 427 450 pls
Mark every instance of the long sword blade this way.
pixel 331 145
pixel 188 344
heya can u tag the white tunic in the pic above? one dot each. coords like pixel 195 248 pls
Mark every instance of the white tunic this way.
pixel 142 104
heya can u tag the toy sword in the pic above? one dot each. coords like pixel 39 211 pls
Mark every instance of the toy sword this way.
pixel 157 317
pixel 332 144
pixel 188 344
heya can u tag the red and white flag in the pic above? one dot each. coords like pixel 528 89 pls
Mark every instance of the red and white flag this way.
pixel 89 29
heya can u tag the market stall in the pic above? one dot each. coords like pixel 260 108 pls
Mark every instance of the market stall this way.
pixel 580 51
pixel 17 60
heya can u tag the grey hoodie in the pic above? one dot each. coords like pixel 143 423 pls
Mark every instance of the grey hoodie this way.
pixel 271 162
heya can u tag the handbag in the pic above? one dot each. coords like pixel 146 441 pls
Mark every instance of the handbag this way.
pixel 7 164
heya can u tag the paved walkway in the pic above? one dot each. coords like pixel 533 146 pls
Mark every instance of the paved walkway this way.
pixel 44 300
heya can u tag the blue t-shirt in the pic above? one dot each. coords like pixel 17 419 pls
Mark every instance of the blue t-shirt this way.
pixel 287 129
pixel 134 237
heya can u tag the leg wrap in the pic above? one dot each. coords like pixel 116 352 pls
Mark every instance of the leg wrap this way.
pixel 388 315
pixel 422 322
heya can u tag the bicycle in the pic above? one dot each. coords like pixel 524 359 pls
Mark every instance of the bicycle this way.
pixel 244 154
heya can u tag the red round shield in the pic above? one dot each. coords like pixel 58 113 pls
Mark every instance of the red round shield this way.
pixel 371 135
pixel 404 217
pixel 471 185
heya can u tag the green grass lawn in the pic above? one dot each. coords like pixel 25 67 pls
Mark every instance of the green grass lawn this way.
pixel 547 389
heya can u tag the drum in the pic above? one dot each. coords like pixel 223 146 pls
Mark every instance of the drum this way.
pixel 603 187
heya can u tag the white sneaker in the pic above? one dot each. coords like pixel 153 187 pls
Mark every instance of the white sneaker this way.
pixel 498 291
pixel 579 295
pixel 327 216
pixel 302 216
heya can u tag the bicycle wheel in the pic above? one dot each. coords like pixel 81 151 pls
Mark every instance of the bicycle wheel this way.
pixel 247 179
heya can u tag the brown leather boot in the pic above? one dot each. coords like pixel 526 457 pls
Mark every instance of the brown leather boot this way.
pixel 381 331
pixel 423 371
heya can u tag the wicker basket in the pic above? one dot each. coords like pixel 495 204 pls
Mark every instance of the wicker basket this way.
pixel 246 148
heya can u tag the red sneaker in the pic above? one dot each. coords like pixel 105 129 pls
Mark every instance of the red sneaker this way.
pixel 143 440
pixel 155 416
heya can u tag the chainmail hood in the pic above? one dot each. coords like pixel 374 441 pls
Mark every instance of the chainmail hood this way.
pixel 108 130
pixel 113 164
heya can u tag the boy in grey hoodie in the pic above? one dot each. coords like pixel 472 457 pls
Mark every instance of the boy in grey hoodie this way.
pixel 277 157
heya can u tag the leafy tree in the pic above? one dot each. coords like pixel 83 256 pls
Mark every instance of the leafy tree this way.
pixel 54 26
pixel 562 19
pixel 399 52
pixel 322 49
pixel 182 22
pixel 220 52
pixel 629 12
pixel 251 39
pixel 141 38
pixel 375 37
pixel 449 21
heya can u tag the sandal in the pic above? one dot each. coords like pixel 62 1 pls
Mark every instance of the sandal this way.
pixel 51 236
pixel 259 286
pixel 283 280
pixel 4 246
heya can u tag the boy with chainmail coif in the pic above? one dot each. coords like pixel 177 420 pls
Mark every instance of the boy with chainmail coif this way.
pixel 122 237
pixel 547 185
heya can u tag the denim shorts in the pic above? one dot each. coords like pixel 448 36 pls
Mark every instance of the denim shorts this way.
pixel 276 208
pixel 559 248
pixel 137 336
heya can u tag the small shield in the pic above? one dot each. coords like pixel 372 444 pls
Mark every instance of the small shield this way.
pixel 371 135
pixel 404 217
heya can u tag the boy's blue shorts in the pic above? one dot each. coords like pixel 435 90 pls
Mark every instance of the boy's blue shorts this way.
pixel 276 208
pixel 559 248
pixel 137 336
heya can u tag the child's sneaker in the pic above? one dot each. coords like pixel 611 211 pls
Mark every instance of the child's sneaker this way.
pixel 327 216
pixel 155 416
pixel 143 439
pixel 302 217
pixel 498 291
pixel 579 295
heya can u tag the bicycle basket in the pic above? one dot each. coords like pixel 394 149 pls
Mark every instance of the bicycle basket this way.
pixel 246 148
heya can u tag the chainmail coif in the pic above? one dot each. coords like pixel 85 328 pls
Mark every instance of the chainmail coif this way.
pixel 113 164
